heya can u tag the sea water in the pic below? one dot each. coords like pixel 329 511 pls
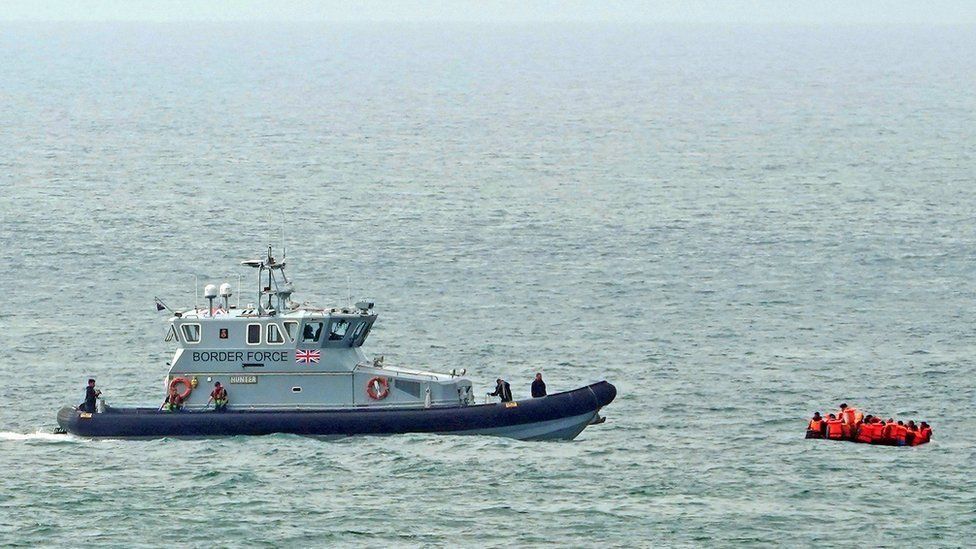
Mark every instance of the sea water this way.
pixel 737 226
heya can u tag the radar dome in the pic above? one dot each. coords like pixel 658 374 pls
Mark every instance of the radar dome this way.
pixel 210 291
pixel 225 290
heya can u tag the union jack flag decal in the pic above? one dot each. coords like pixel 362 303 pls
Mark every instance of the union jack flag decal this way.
pixel 307 357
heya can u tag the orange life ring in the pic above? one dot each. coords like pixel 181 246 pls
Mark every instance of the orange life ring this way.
pixel 378 388
pixel 186 382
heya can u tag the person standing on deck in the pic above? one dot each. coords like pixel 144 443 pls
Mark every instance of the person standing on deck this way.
pixel 91 395
pixel 219 398
pixel 538 386
pixel 502 390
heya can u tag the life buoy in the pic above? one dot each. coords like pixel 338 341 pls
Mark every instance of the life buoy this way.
pixel 378 388
pixel 186 383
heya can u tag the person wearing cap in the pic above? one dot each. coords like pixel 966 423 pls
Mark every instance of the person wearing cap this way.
pixel 502 390
pixel 219 397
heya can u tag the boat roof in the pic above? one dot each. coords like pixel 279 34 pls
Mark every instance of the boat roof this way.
pixel 301 313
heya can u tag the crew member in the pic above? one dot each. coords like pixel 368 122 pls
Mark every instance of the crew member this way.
pixel 174 402
pixel 91 395
pixel 502 390
pixel 538 386
pixel 816 426
pixel 219 397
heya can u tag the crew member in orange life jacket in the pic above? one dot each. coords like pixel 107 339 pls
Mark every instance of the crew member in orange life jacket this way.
pixel 816 427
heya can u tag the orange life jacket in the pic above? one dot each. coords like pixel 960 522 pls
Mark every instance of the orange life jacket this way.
pixel 869 433
pixel 815 425
pixel 886 433
pixel 845 429
pixel 858 417
pixel 898 432
pixel 835 429
pixel 925 434
pixel 849 415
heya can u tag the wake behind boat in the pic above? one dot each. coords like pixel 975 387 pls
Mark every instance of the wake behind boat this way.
pixel 286 367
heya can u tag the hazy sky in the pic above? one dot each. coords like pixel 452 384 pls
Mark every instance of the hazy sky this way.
pixel 647 11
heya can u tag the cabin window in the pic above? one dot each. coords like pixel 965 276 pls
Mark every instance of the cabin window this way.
pixel 412 388
pixel 291 328
pixel 191 333
pixel 223 333
pixel 171 334
pixel 311 332
pixel 338 329
pixel 253 334
pixel 361 332
pixel 274 335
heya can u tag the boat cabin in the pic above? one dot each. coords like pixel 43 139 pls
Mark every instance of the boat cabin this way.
pixel 281 354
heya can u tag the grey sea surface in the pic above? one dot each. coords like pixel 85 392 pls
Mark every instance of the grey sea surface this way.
pixel 736 226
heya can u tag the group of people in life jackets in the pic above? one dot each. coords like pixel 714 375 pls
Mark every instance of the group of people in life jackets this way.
pixel 850 424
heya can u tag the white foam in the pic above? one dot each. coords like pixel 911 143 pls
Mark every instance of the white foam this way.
pixel 39 435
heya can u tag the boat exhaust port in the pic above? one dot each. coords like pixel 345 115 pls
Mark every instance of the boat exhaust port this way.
pixel 598 419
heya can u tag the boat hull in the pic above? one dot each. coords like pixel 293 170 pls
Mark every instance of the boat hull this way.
pixel 561 416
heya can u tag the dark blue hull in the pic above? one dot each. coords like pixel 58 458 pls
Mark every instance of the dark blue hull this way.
pixel 560 416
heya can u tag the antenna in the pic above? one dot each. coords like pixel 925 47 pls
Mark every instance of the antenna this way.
pixel 238 290
pixel 196 290
pixel 348 291
pixel 284 249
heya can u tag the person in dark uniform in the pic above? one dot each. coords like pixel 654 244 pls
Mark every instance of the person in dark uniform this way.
pixel 538 386
pixel 503 390
pixel 91 395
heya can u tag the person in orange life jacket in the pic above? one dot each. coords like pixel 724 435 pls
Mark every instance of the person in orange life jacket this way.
pixel 877 431
pixel 852 418
pixel 835 428
pixel 912 432
pixel 900 432
pixel 884 430
pixel 219 398
pixel 865 431
pixel 924 433
pixel 891 433
pixel 843 410
pixel 815 429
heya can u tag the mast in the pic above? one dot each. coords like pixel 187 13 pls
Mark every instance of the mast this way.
pixel 272 289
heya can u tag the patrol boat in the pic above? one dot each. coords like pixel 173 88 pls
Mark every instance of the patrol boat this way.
pixel 291 367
